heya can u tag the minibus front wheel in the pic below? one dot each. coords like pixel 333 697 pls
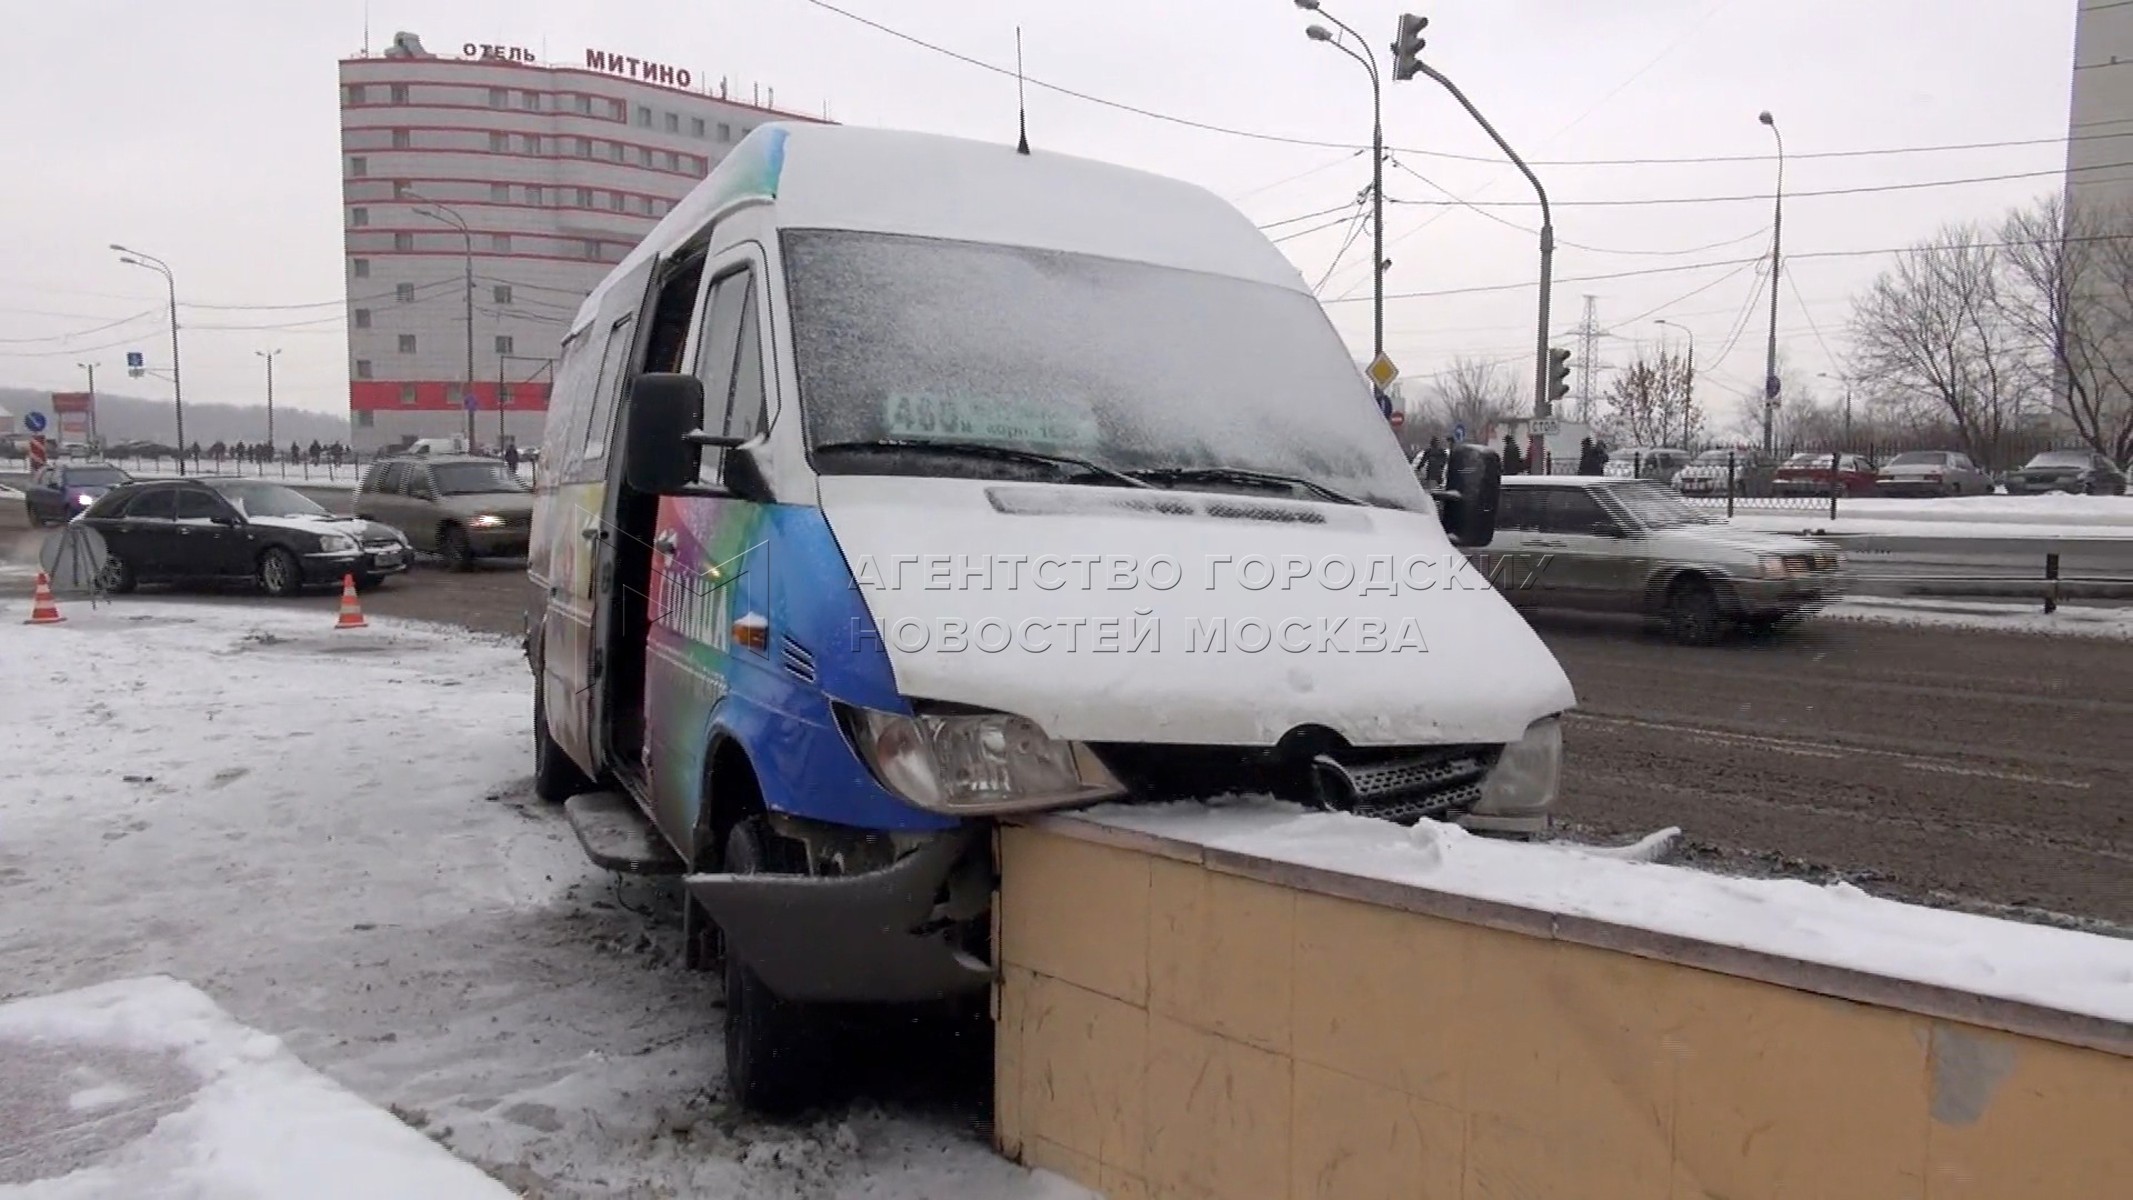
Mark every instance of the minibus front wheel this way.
pixel 776 1058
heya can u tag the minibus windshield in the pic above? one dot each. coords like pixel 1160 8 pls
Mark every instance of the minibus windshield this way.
pixel 1181 378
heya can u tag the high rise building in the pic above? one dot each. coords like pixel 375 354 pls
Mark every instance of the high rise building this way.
pixel 534 179
pixel 2099 148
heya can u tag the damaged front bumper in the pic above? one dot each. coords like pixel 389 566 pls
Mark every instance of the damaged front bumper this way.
pixel 900 932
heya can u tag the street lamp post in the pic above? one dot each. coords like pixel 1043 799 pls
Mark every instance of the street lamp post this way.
pixel 134 258
pixel 1846 380
pixel 1777 229
pixel 269 356
pixel 1688 384
pixel 450 216
pixel 1319 33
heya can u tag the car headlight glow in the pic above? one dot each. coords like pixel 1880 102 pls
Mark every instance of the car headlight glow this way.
pixel 486 521
pixel 84 499
pixel 1525 777
pixel 968 765
pixel 336 543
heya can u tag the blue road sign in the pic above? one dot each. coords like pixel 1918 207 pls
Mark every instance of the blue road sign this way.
pixel 135 358
pixel 1459 432
pixel 470 400
pixel 33 421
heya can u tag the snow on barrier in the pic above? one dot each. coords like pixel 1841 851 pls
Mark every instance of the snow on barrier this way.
pixel 1272 1004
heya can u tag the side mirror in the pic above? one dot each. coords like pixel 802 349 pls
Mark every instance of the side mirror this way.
pixel 1473 481
pixel 660 412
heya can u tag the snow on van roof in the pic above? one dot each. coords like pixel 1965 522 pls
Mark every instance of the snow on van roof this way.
pixel 930 185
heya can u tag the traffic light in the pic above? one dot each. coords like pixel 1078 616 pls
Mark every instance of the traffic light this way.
pixel 1407 46
pixel 1558 374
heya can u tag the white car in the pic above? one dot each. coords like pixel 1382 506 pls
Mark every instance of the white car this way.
pixel 1932 473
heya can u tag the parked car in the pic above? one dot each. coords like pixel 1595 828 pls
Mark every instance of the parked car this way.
pixel 229 528
pixel 1750 472
pixel 1932 473
pixel 1810 473
pixel 2082 472
pixel 1632 546
pixel 1656 463
pixel 58 492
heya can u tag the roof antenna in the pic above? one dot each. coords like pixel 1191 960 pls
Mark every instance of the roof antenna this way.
pixel 366 29
pixel 1021 101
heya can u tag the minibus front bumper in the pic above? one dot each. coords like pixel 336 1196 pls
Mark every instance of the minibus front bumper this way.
pixel 900 933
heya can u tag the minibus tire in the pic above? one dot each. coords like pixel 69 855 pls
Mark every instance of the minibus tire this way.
pixel 776 1049
pixel 555 777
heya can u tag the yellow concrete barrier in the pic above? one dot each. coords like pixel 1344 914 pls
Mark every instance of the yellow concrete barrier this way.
pixel 1176 1022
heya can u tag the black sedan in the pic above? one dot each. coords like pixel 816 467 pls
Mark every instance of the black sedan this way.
pixel 2082 472
pixel 58 491
pixel 214 528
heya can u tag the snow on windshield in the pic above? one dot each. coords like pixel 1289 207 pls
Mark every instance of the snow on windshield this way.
pixel 2061 458
pixel 1656 507
pixel 1126 364
pixel 1919 458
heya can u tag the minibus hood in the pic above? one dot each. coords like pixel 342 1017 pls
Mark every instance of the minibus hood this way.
pixel 1111 614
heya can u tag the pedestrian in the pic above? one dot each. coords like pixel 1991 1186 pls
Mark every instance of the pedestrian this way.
pixel 511 458
pixel 1513 463
pixel 1434 459
pixel 1600 455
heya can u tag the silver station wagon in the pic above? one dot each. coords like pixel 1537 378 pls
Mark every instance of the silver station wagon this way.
pixel 1633 546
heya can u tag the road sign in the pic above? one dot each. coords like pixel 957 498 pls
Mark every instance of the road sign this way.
pixel 135 359
pixel 1397 418
pixel 33 421
pixel 1459 432
pixel 1547 426
pixel 469 399
pixel 1770 387
pixel 1382 372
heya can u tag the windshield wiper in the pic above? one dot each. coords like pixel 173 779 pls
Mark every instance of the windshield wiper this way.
pixel 1244 476
pixel 986 450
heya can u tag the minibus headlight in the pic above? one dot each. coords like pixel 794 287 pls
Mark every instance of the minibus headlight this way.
pixel 1525 777
pixel 977 763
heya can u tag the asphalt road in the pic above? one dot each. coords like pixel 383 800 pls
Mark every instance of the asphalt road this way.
pixel 1970 769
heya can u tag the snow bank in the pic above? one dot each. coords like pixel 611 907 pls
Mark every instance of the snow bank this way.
pixel 2069 621
pixel 2052 509
pixel 144 1087
pixel 1951 529
pixel 332 834
pixel 1838 925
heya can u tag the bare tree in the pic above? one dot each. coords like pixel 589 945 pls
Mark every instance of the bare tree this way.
pixel 1474 392
pixel 1933 330
pixel 1651 402
pixel 2069 289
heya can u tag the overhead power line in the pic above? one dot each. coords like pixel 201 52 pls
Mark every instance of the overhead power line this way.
pixel 1320 143
pixel 1762 197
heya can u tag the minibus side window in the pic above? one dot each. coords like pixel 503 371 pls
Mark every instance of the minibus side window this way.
pixel 726 313
pixel 744 413
pixel 603 405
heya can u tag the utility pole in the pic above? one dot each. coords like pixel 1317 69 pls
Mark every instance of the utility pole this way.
pixel 451 216
pixel 269 356
pixel 134 258
pixel 91 369
pixel 1381 372
pixel 1777 230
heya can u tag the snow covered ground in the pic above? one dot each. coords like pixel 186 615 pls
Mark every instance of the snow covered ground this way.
pixel 1837 925
pixel 2072 620
pixel 330 834
pixel 2053 516
pixel 143 1087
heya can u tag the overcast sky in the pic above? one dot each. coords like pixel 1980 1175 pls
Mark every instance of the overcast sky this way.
pixel 207 133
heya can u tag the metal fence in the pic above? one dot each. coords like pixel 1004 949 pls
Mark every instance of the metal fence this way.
pixel 326 470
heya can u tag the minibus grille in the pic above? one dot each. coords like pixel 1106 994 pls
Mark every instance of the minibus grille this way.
pixel 798 662
pixel 1403 784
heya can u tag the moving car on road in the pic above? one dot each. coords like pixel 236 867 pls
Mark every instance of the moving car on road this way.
pixel 1932 473
pixel 223 528
pixel 1747 472
pixel 1815 474
pixel 58 492
pixel 2081 472
pixel 460 506
pixel 854 362
pixel 1632 546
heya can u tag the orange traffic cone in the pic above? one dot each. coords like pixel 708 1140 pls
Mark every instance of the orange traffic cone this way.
pixel 43 611
pixel 351 610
